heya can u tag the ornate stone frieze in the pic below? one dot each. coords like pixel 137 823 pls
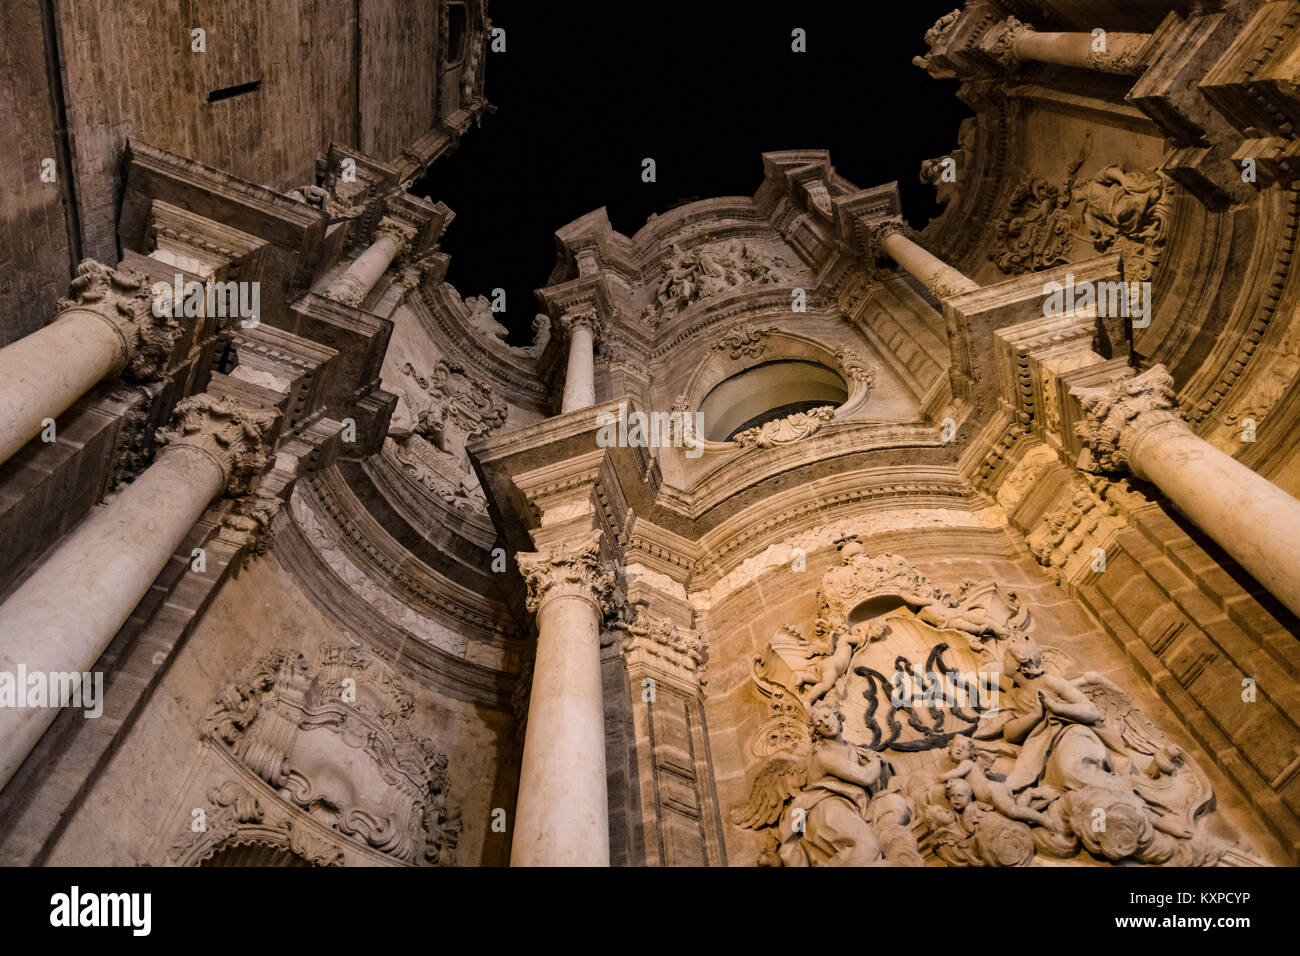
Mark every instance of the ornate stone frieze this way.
pixel 236 437
pixel 705 272
pixel 122 301
pixel 1032 756
pixel 336 744
pixel 784 431
pixel 1064 539
pixel 566 569
pixel 1117 416
pixel 741 342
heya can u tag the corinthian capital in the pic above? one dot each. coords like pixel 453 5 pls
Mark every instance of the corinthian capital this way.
pixel 877 231
pixel 1000 42
pixel 588 320
pixel 236 437
pixel 1118 415
pixel 402 233
pixel 122 301
pixel 568 569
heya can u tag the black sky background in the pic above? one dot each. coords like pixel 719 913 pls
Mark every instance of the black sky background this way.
pixel 586 90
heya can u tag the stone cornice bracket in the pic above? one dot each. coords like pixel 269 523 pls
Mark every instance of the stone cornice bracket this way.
pixel 236 437
pixel 569 569
pixel 1118 416
pixel 122 301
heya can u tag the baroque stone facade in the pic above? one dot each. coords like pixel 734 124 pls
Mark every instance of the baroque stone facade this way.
pixel 799 535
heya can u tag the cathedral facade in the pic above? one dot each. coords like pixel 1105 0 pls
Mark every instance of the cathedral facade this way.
pixel 799 535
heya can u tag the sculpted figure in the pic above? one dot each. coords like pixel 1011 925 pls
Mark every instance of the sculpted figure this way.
pixel 972 766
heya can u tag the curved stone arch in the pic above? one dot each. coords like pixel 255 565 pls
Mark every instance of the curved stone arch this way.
pixel 750 345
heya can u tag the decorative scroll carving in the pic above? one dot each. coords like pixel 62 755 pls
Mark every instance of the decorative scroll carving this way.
pixel 566 569
pixel 933 36
pixel 1116 416
pixel 1117 208
pixel 741 343
pixel 483 321
pixel 338 745
pixel 704 272
pixel 123 302
pixel 856 367
pixel 784 431
pixel 1035 758
pixel 236 436
pixel 1064 539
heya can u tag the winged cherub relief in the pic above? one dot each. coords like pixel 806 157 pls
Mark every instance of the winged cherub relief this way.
pixel 979 750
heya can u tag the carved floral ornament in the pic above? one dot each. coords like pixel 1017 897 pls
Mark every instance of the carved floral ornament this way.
pixel 1116 209
pixel 327 757
pixel 122 301
pixel 897 669
pixel 236 437
pixel 787 430
pixel 569 569
pixel 1117 416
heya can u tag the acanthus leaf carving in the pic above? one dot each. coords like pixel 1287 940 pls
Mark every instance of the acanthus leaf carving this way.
pixel 1116 416
pixel 569 568
pixel 122 300
pixel 237 437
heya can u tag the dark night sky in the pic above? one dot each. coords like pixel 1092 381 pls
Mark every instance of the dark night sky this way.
pixel 586 90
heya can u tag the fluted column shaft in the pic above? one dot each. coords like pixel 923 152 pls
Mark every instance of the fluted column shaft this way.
pixel 580 375
pixel 562 814
pixel 105 327
pixel 1135 423
pixel 65 614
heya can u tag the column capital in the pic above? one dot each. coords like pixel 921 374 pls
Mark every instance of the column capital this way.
pixel 1118 415
pixel 235 436
pixel 876 231
pixel 587 319
pixel 568 568
pixel 400 232
pixel 121 299
pixel 1000 42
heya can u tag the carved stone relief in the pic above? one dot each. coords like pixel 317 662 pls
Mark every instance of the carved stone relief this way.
pixel 336 750
pixel 784 431
pixel 1115 209
pixel 483 321
pixel 704 272
pixel 979 750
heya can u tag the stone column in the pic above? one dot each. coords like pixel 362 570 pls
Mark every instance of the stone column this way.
pixel 63 617
pixel 890 236
pixel 1135 423
pixel 580 378
pixel 392 238
pixel 103 328
pixel 1012 42
pixel 562 816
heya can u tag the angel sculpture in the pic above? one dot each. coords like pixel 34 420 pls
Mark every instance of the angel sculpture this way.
pixel 836 806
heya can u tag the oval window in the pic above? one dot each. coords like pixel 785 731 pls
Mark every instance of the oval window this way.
pixel 766 393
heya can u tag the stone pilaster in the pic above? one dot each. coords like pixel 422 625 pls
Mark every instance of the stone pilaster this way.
pixel 562 817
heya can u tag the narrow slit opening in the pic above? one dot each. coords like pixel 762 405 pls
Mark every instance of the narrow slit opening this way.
pixel 226 92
